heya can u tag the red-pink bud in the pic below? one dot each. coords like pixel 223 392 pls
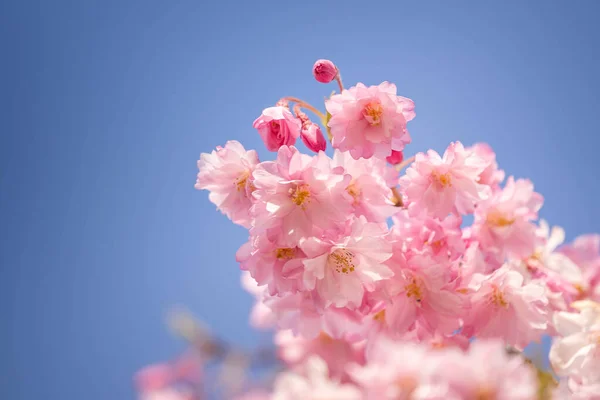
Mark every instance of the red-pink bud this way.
pixel 324 71
pixel 395 158
pixel 313 137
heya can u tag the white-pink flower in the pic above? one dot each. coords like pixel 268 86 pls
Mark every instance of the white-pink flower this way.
pixel 491 175
pixel 227 174
pixel 312 383
pixel 585 252
pixel 261 316
pixel 443 185
pixel 504 306
pixel 486 371
pixel 577 352
pixel 297 194
pixel 342 268
pixel 422 290
pixel 504 223
pixel 369 121
pixel 369 188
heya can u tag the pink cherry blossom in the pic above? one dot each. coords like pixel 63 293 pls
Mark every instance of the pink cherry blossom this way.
pixel 227 174
pixel 313 383
pixel 491 175
pixel 296 194
pixel 342 268
pixel 369 121
pixel 443 185
pixel 577 352
pixel 277 127
pixel 486 371
pixel 421 290
pixel 337 353
pixel 585 253
pixel 312 137
pixel 324 71
pixel 395 158
pixel 503 306
pixel 504 223
pixel 278 267
pixel 261 316
pixel 369 188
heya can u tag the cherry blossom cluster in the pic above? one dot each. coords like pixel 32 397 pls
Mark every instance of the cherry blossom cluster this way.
pixel 364 263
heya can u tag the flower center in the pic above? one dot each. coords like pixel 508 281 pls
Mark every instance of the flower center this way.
pixel 240 182
pixel 354 191
pixel 498 299
pixel 373 112
pixel 342 261
pixel 285 253
pixel 301 195
pixel 380 316
pixel 414 289
pixel 498 219
pixel 442 180
pixel 485 393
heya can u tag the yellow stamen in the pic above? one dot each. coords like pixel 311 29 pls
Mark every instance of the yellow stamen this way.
pixel 373 112
pixel 380 316
pixel 354 191
pixel 442 180
pixel 285 253
pixel 499 220
pixel 240 182
pixel 342 261
pixel 485 393
pixel 498 298
pixel 301 195
pixel 413 289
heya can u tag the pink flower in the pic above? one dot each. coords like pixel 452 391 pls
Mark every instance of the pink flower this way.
pixel 503 223
pixel 343 268
pixel 261 316
pixel 313 137
pixel 269 264
pixel 369 189
pixel 443 185
pixel 577 352
pixel 491 175
pixel 337 353
pixel 422 291
pixel 394 370
pixel 324 71
pixel 277 127
pixel 227 174
pixel 313 383
pixel 369 121
pixel 298 194
pixel 157 377
pixel 503 306
pixel 585 253
pixel 486 371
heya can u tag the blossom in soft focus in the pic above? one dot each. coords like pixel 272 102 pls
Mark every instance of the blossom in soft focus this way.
pixel 368 121
pixel 261 316
pixel 504 222
pixel 343 267
pixel 504 306
pixel 297 195
pixel 312 383
pixel 312 137
pixel 585 253
pixel 486 371
pixel 491 176
pixel 443 185
pixel 277 127
pixel 577 351
pixel 227 174
pixel 337 353
pixel 324 71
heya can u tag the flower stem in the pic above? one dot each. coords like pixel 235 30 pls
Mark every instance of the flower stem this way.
pixel 303 104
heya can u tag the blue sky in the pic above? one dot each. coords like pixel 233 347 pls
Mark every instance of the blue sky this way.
pixel 107 105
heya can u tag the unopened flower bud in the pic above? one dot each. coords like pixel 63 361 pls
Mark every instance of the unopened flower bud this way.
pixel 395 158
pixel 324 71
pixel 313 137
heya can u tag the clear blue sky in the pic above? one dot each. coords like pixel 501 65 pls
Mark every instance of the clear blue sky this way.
pixel 106 106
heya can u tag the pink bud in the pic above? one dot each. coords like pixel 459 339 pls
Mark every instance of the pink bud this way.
pixel 313 137
pixel 277 127
pixel 395 158
pixel 324 71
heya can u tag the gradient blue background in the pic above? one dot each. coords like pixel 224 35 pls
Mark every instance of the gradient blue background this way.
pixel 106 106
